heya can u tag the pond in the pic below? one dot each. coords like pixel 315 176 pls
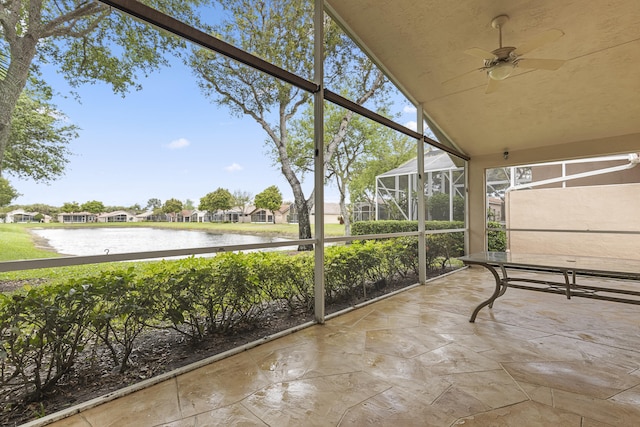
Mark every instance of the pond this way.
pixel 99 241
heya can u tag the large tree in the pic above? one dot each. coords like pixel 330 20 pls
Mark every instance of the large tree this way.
pixel 93 206
pixel 85 40
pixel 70 207
pixel 242 199
pixel 365 143
pixel 154 203
pixel 270 199
pixel 280 32
pixel 172 206
pixel 219 200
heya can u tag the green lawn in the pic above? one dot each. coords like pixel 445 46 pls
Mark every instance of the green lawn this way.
pixel 17 243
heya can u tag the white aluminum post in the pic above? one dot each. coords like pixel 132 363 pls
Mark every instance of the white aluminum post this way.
pixel 318 135
pixel 451 189
pixel 422 239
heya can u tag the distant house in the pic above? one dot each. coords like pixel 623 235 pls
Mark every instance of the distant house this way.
pixel 150 216
pixel 235 214
pixel 266 216
pixel 116 216
pixel 495 206
pixel 21 216
pixel 187 215
pixel 77 217
pixel 331 214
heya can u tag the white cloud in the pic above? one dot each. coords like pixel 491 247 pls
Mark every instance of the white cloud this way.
pixel 233 167
pixel 409 109
pixel 178 144
pixel 413 125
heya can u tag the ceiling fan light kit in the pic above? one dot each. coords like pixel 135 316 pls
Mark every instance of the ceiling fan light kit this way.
pixel 501 71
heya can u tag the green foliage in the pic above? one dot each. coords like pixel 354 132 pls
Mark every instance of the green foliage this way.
pixel 270 198
pixel 346 267
pixel 42 330
pixel 172 206
pixel 122 312
pixel 221 199
pixel 287 278
pixel 438 205
pixel 154 204
pixel 15 237
pixel 93 206
pixel 7 192
pixel 497 239
pixel 440 248
pixel 40 133
pixel 394 150
pixel 69 207
pixel 387 227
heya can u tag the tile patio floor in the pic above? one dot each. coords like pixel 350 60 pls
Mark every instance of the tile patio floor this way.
pixel 415 360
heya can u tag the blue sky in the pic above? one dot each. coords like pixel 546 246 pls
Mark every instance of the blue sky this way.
pixel 165 141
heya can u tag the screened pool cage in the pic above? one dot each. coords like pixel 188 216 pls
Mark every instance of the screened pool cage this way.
pixel 397 190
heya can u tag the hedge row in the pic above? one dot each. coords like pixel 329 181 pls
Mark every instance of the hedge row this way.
pixel 385 227
pixel 455 246
pixel 44 330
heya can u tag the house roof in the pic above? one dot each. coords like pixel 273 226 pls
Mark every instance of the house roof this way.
pixel 77 213
pixel 588 107
pixel 329 209
pixel 284 208
pixel 435 160
pixel 114 213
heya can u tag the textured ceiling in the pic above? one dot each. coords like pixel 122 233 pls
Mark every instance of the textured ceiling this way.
pixel 594 95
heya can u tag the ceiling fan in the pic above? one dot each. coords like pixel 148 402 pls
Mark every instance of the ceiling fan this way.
pixel 500 63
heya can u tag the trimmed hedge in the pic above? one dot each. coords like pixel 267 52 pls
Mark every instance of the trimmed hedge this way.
pixel 497 241
pixel 386 227
pixel 44 330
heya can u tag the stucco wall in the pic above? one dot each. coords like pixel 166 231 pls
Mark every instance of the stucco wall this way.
pixel 606 207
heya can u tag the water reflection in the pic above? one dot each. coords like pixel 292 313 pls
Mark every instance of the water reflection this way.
pixel 97 241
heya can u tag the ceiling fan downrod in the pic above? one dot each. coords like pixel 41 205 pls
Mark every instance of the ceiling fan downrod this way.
pixel 497 23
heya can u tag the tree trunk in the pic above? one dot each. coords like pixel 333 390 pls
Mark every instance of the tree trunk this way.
pixel 23 51
pixel 345 215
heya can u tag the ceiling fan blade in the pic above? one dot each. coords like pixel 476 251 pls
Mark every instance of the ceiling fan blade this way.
pixel 453 79
pixel 480 53
pixel 541 64
pixel 492 85
pixel 538 41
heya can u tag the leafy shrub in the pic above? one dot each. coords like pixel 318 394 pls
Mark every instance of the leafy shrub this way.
pixel 234 296
pixel 283 277
pixel 124 309
pixel 497 240
pixel 42 330
pixel 177 291
pixel 387 227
